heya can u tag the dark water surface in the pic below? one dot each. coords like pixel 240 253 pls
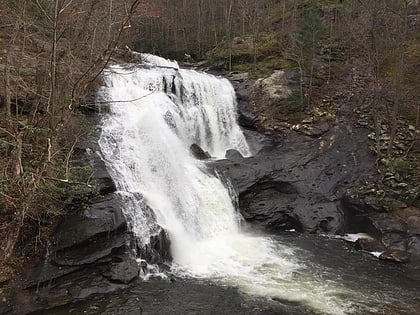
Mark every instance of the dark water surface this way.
pixel 386 288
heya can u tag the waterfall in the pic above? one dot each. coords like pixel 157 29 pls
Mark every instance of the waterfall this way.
pixel 156 112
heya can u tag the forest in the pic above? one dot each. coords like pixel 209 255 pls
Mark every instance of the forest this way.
pixel 52 54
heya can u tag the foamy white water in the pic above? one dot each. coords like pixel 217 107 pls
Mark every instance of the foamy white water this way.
pixel 155 115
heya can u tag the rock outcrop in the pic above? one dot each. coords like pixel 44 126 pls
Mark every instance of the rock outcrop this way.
pixel 298 184
pixel 397 234
pixel 90 251
pixel 303 175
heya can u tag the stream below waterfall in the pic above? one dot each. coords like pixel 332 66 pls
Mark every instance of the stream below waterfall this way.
pixel 156 113
pixel 382 288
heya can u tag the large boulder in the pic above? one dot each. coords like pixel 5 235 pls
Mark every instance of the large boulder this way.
pixel 298 184
pixel 273 88
pixel 269 100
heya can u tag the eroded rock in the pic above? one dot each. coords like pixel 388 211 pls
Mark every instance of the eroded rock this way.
pixel 124 272
pixel 298 184
pixel 233 155
pixel 198 152
pixel 395 256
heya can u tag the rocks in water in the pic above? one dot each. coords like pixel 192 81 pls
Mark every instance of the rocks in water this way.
pixel 83 238
pixel 124 272
pixel 395 256
pixel 233 155
pixel 158 250
pixel 370 245
pixel 396 234
pixel 198 152
pixel 91 250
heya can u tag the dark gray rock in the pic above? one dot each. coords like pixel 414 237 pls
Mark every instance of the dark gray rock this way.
pixel 395 241
pixel 104 183
pixel 387 223
pixel 314 131
pixel 233 155
pixel 397 231
pixel 124 272
pixel 198 152
pixel 102 218
pixel 243 87
pixel 395 256
pixel 369 245
pixel 92 251
pixel 158 250
pixel 413 245
pixel 299 183
pixel 245 118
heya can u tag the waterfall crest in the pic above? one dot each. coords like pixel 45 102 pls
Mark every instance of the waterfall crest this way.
pixel 156 112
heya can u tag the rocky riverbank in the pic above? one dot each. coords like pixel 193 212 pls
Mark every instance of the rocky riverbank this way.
pixel 302 177
pixel 90 251
pixel 309 175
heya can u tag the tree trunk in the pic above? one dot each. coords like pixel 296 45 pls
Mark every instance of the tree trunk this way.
pixel 17 168
pixel 53 69
pixel 400 66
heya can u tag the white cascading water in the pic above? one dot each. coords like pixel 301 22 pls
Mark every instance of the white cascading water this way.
pixel 156 112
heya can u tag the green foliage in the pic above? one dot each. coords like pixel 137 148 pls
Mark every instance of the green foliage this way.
pixel 264 66
pixel 27 72
pixel 296 103
pixel 267 50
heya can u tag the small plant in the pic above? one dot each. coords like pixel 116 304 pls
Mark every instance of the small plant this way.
pixel 296 103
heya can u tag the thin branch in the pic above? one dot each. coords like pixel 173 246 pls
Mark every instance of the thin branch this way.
pixel 127 101
pixel 66 181
pixel 43 11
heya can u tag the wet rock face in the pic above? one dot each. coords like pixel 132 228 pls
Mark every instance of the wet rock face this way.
pixel 400 232
pixel 91 250
pixel 233 155
pixel 124 271
pixel 397 235
pixel 198 152
pixel 89 254
pixel 104 216
pixel 298 184
pixel 243 87
pixel 104 183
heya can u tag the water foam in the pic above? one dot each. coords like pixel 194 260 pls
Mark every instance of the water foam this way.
pixel 155 114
